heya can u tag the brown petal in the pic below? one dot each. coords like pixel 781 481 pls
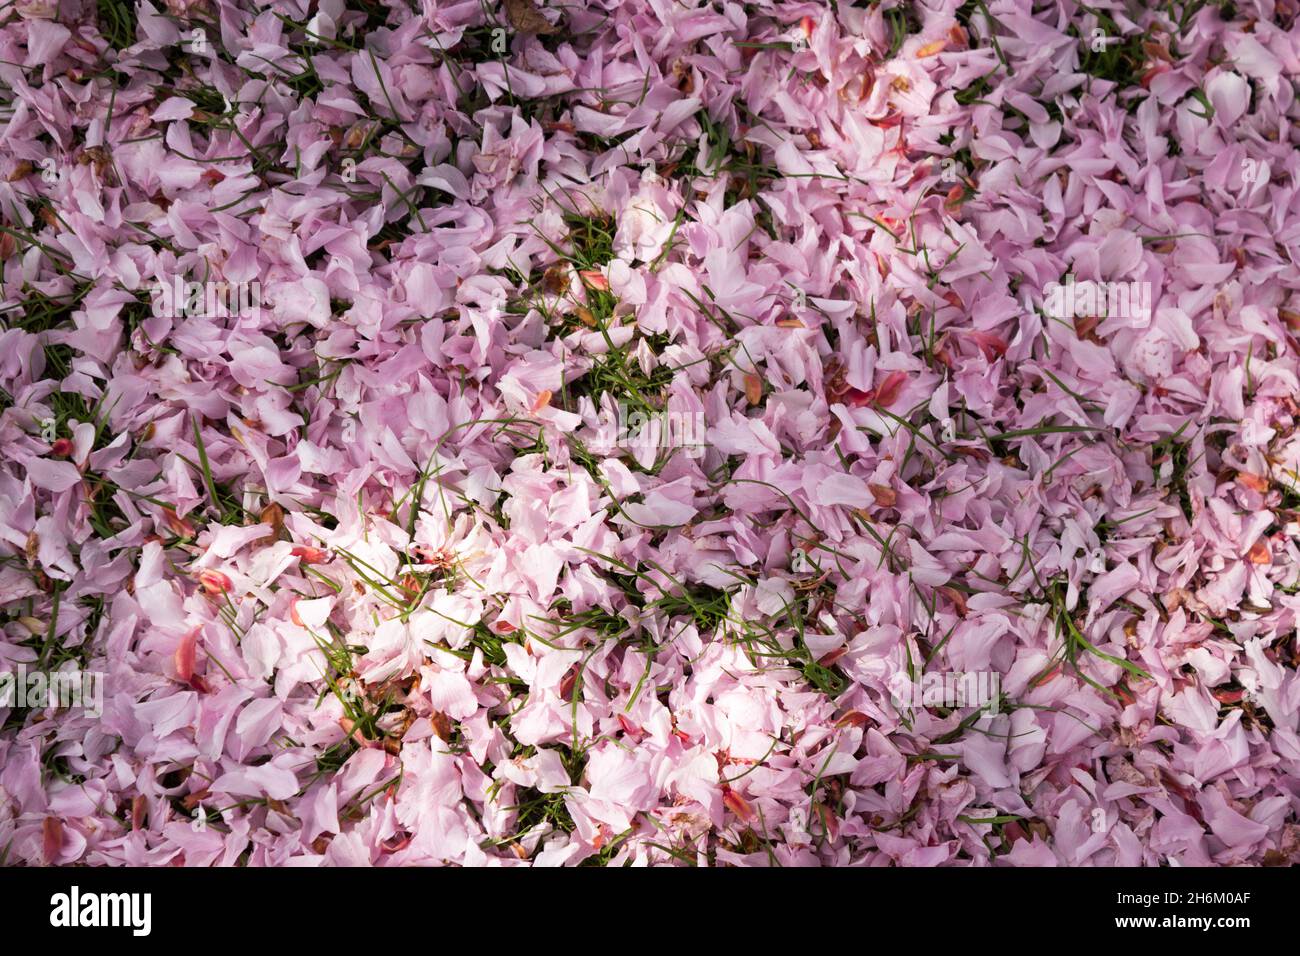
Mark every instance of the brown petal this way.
pixel 184 657
pixel 887 391
pixel 884 495
pixel 139 811
pixel 828 659
pixel 737 804
pixel 594 279
pixel 51 839
pixel 854 718
pixel 1253 482
pixel 569 682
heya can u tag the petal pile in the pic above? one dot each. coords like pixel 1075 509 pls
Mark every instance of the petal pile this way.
pixel 649 433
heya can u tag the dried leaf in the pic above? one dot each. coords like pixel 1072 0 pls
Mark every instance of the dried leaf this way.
pixel 525 17
pixel 272 515
pixel 441 724
pixel 555 279
pixel 957 599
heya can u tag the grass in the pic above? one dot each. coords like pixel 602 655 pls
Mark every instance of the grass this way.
pixel 46 316
pixel 538 811
pixel 1074 646
pixel 221 499
pixel 709 609
pixel 614 371
pixel 363 707
pixel 117 22
pixel 617 374
pixel 903 22
pixel 722 156
pixel 1178 454
pixel 965 16
pixel 1119 60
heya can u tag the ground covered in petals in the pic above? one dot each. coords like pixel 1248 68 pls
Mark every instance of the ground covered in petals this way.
pixel 649 432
